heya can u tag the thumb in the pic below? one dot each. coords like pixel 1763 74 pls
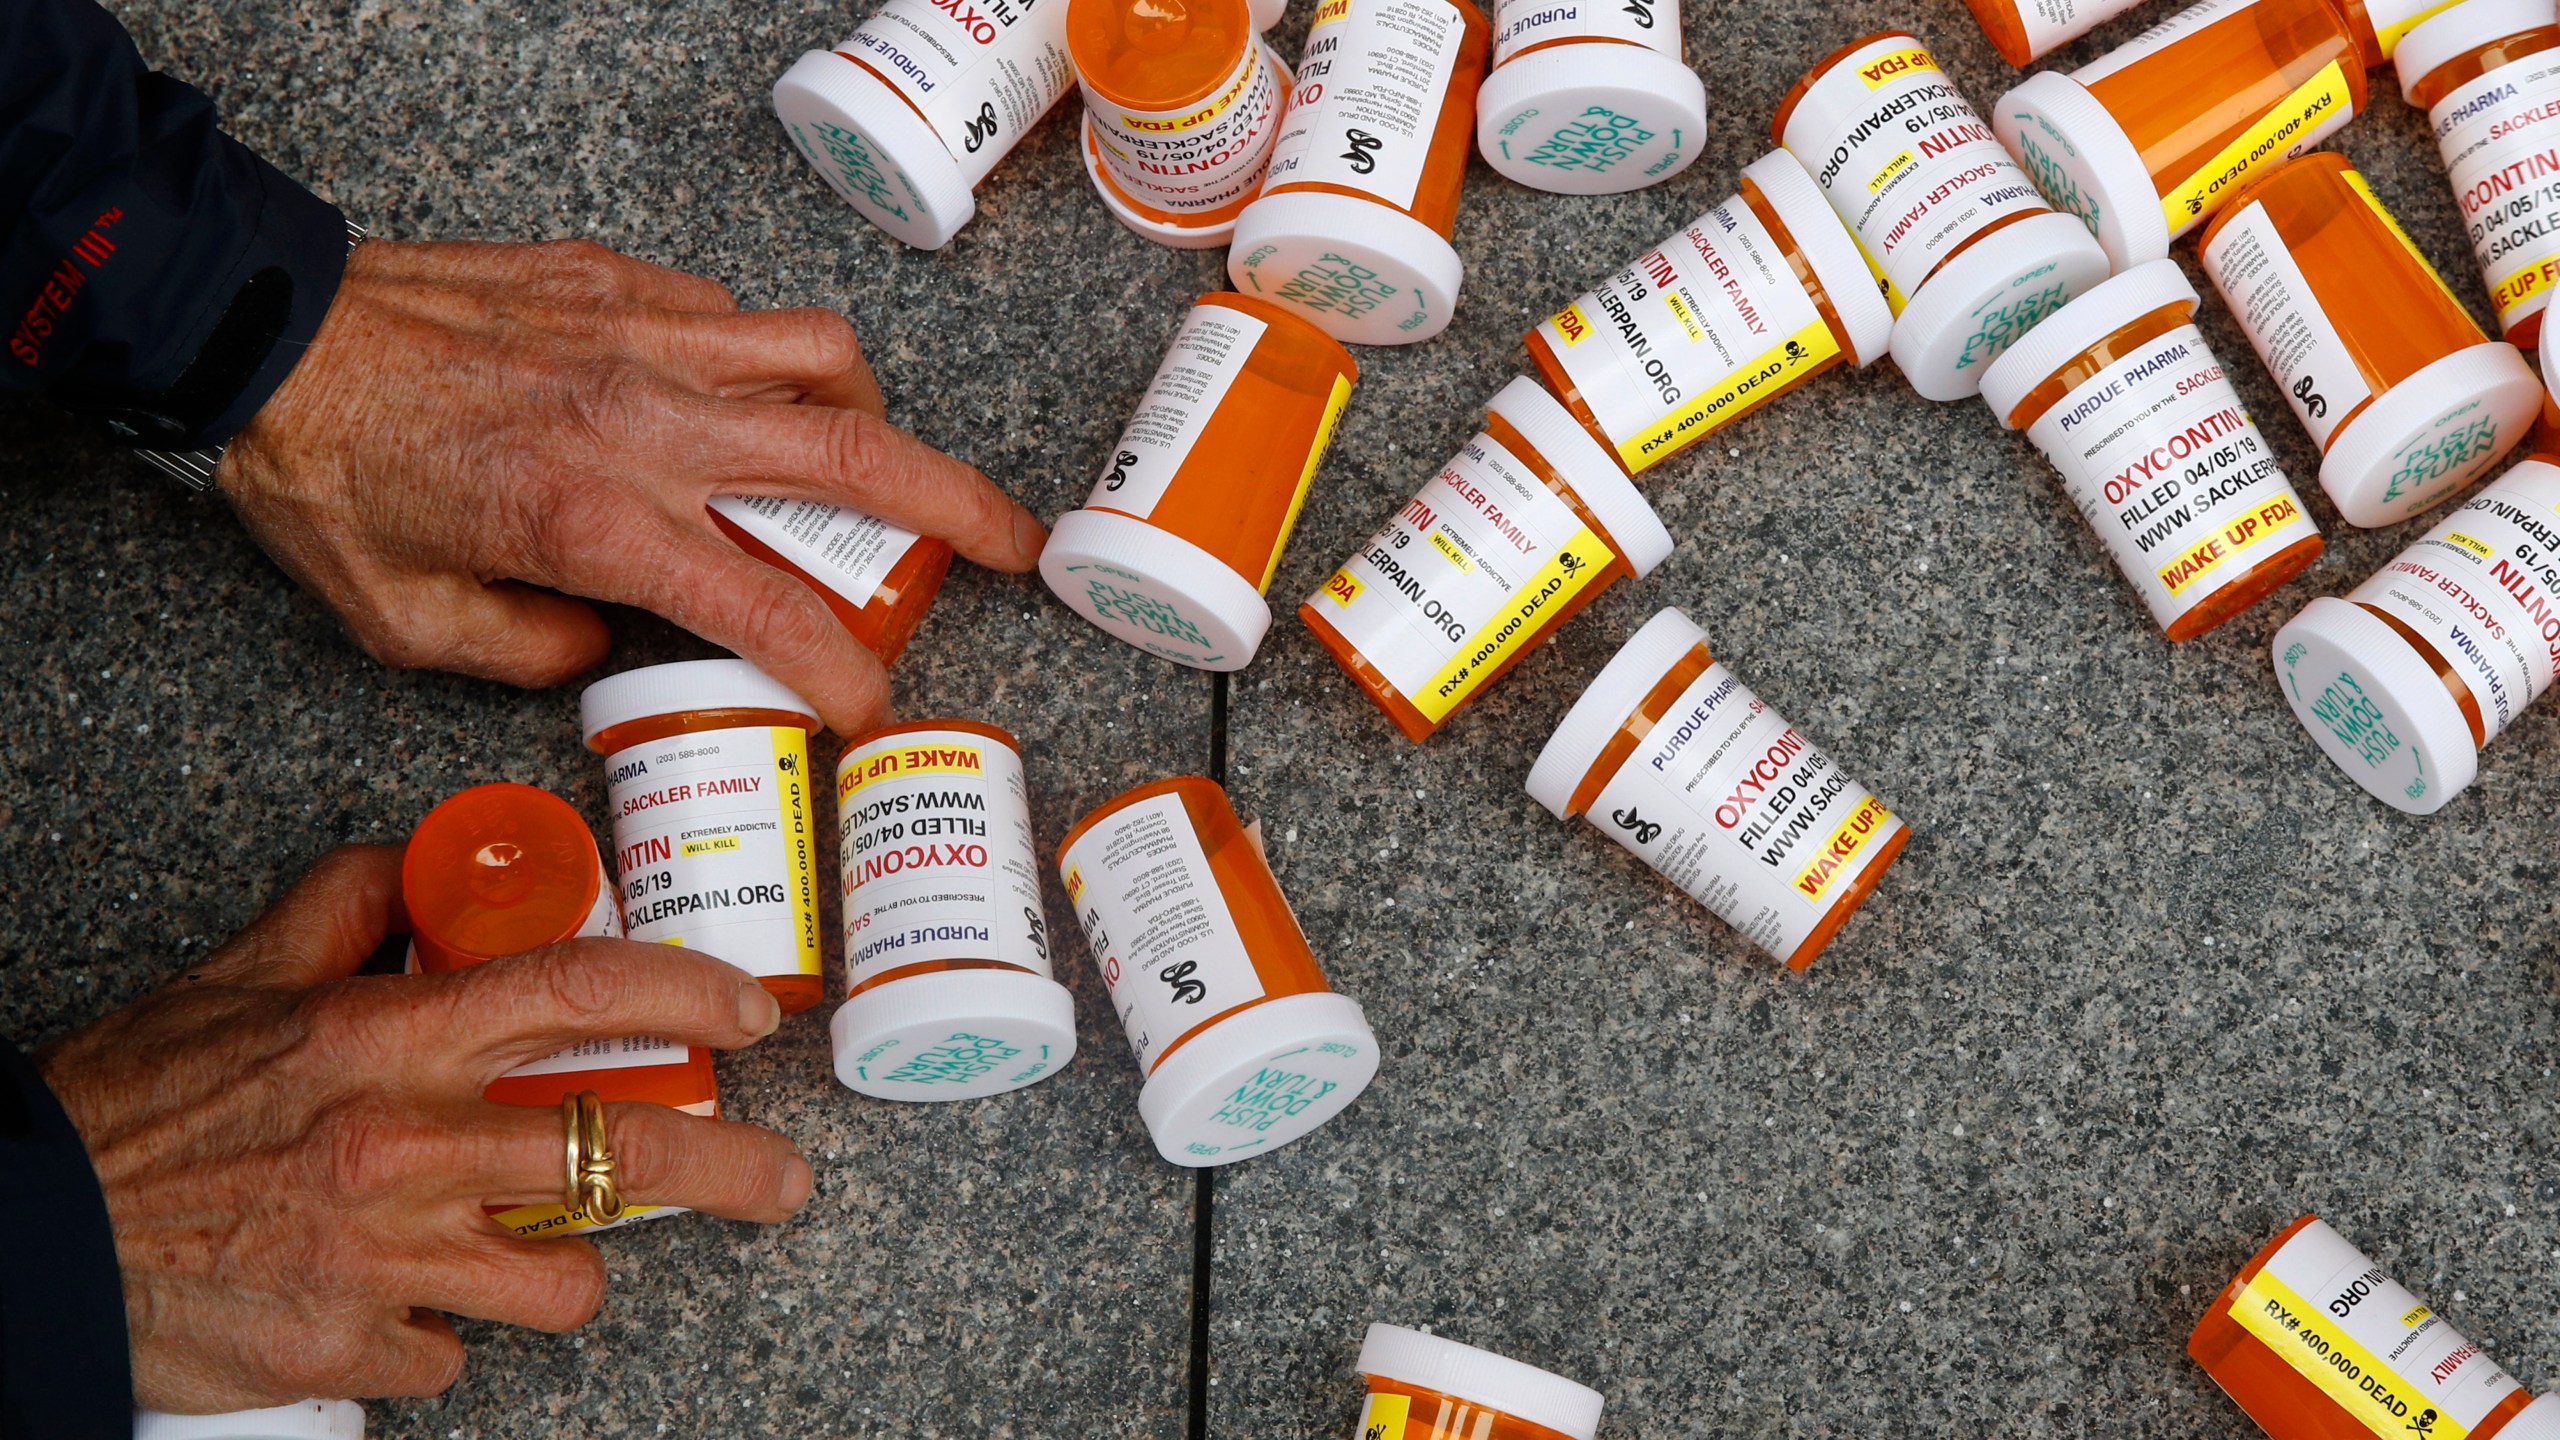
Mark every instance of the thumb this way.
pixel 323 929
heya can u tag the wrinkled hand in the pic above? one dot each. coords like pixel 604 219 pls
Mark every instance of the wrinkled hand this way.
pixel 475 421
pixel 295 1157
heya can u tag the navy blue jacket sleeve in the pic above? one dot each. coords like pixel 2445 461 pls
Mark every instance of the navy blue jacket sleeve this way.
pixel 154 275
pixel 65 1366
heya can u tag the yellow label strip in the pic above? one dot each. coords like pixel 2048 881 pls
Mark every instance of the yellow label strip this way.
pixel 913 760
pixel 2207 555
pixel 799 839
pixel 1707 411
pixel 2523 285
pixel 1893 65
pixel 1333 404
pixel 1384 1417
pixel 542 1222
pixel 2303 1337
pixel 2315 100
pixel 1574 565
pixel 1832 861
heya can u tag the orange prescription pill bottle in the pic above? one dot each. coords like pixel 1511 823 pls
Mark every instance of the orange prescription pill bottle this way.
pixel 1756 296
pixel 2406 399
pixel 714 824
pixel 2147 140
pixel 2123 396
pixel 1180 538
pixel 1589 99
pixel 501 869
pixel 1352 227
pixel 2487 72
pixel 877 578
pixel 2316 1342
pixel 1679 762
pixel 1967 253
pixel 1244 1045
pixel 302 1420
pixel 2409 677
pixel 1422 1387
pixel 949 994
pixel 1181 103
pixel 916 106
pixel 1524 526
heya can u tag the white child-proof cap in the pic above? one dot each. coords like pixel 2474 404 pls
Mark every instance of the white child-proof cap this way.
pixel 2467 26
pixel 2068 143
pixel 874 149
pixel 2374 704
pixel 1259 1079
pixel 1830 249
pixel 1612 695
pixel 1633 91
pixel 1495 1382
pixel 2537 1421
pixel 302 1420
pixel 2364 471
pixel 2069 332
pixel 1285 250
pixel 1605 489
pixel 1933 339
pixel 1155 590
pixel 685 685
pixel 954 1034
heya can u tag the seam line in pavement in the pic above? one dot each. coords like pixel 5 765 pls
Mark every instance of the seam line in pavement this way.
pixel 1204 1193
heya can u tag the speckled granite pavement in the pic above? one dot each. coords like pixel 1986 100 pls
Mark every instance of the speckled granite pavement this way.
pixel 2151 980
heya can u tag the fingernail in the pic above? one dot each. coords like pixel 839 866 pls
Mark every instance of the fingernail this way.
pixel 1028 536
pixel 797 1182
pixel 759 1014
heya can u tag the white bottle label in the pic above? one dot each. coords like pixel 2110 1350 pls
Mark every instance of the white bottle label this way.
pixel 1370 85
pixel 716 838
pixel 845 550
pixel 981 72
pixel 2157 38
pixel 1201 157
pixel 624 1053
pixel 2500 136
pixel 1522 25
pixel 2172 473
pixel 1463 577
pixel 2285 321
pixel 1208 353
pixel 2370 1345
pixel 935 830
pixel 1696 332
pixel 2483 588
pixel 1902 156
pixel 1732 804
pixel 1159 926
pixel 2050 23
